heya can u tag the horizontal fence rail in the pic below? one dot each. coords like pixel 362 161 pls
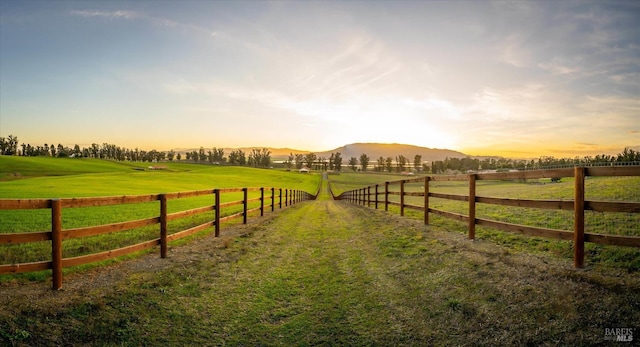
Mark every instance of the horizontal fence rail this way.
pixel 269 198
pixel 378 195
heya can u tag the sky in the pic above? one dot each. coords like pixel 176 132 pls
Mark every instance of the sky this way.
pixel 515 79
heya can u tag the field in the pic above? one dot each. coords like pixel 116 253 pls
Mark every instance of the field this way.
pixel 327 273
pixel 597 188
pixel 60 178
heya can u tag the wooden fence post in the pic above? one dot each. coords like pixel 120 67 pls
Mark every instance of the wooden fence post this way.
pixel 273 199
pixel 369 196
pixel 216 193
pixel 402 198
pixel 472 206
pixel 426 200
pixel 578 218
pixel 56 243
pixel 261 201
pixel 244 206
pixel 376 196
pixel 163 226
pixel 280 198
pixel 386 196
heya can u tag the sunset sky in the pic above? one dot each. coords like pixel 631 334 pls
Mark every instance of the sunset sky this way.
pixel 517 79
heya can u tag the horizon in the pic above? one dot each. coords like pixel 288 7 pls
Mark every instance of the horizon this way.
pixel 188 149
pixel 485 78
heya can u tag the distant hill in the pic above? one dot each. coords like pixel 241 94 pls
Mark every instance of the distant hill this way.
pixel 373 150
pixel 376 150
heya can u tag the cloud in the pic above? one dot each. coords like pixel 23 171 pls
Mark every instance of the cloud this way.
pixel 513 51
pixel 106 14
pixel 614 105
pixel 131 15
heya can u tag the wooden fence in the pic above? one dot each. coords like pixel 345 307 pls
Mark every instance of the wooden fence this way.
pixel 277 197
pixel 370 196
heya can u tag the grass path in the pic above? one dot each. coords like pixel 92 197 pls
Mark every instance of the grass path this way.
pixel 327 273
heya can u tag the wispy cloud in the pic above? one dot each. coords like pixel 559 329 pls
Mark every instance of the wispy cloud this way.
pixel 122 14
pixel 131 15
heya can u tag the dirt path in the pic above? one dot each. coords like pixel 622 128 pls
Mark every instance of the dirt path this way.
pixel 327 273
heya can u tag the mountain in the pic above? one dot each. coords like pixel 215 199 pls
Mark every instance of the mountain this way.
pixel 373 150
pixel 377 150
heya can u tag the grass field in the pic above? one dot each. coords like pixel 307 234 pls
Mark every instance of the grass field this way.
pixel 597 188
pixel 327 273
pixel 59 178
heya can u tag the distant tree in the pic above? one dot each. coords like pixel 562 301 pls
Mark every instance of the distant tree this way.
pixel 202 156
pixel 171 154
pixel 265 159
pixel 178 157
pixel 417 162
pixel 389 164
pixel 290 160
pixel 76 151
pixel 3 146
pixel 353 163
pixel 401 160
pixel 242 159
pixel 237 157
pixel 299 160
pixel 380 164
pixel 233 158
pixel 309 159
pixel 9 145
pixel 331 161
pixel 364 161
pixel 220 155
pixel 322 163
pixel 62 151
pixel 260 157
pixel 628 155
pixel 337 162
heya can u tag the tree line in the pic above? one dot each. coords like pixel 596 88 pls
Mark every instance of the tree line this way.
pixel 627 156
pixel 257 157
pixel 400 163
pixel 262 158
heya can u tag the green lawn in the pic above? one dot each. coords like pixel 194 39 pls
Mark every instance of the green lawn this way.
pixel 61 178
pixel 326 273
pixel 597 188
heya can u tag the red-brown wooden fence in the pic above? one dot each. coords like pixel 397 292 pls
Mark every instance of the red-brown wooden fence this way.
pixel 578 204
pixel 58 234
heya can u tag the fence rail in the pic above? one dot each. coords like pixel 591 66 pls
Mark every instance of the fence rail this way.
pixel 278 197
pixel 578 205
